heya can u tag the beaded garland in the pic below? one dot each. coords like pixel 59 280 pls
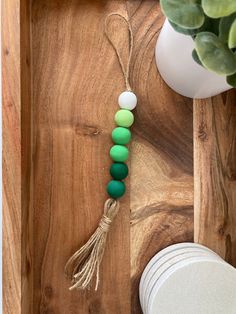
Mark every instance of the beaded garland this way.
pixel 121 136
pixel 84 264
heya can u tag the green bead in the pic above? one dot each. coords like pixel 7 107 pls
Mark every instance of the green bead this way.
pixel 116 188
pixel 119 153
pixel 119 170
pixel 121 135
pixel 124 118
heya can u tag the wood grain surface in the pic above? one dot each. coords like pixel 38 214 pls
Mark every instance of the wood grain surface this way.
pixel 161 196
pixel 16 109
pixel 215 174
pixel 11 159
pixel 58 107
pixel 73 112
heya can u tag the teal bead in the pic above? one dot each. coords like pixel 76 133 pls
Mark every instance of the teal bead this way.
pixel 119 153
pixel 124 118
pixel 121 135
pixel 116 188
pixel 119 170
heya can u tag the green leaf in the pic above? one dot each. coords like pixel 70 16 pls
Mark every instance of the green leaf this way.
pixel 218 8
pixel 232 35
pixel 184 13
pixel 224 27
pixel 231 80
pixel 196 57
pixel 209 24
pixel 185 31
pixel 214 54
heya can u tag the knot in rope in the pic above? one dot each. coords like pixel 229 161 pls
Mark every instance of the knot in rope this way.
pixel 105 223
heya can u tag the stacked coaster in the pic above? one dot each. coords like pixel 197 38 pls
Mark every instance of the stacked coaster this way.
pixel 188 278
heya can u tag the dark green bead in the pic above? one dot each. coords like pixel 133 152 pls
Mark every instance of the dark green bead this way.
pixel 116 188
pixel 119 170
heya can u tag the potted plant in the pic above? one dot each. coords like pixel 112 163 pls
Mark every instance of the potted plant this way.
pixel 196 48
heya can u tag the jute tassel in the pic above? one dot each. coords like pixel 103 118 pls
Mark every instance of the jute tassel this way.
pixel 85 263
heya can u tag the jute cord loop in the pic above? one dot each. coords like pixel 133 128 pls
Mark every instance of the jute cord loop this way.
pixel 126 72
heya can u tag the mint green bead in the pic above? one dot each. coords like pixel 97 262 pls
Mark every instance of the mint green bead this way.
pixel 124 118
pixel 121 135
pixel 116 188
pixel 119 153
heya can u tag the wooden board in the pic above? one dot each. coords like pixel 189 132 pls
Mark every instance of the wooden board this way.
pixel 215 174
pixel 58 107
pixel 161 197
pixel 16 109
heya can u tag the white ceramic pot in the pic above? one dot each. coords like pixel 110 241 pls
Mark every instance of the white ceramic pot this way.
pixel 179 70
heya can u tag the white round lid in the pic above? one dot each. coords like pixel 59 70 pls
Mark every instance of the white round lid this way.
pixel 197 286
pixel 167 266
pixel 162 259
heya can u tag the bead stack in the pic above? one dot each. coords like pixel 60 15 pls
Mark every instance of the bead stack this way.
pixel 121 136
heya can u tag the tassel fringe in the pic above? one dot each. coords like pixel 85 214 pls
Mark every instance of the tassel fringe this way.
pixel 85 263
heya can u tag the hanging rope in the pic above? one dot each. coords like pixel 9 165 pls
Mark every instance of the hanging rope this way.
pixel 126 72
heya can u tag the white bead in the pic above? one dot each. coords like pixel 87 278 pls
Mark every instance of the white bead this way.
pixel 127 100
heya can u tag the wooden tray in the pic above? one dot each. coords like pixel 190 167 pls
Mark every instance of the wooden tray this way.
pixel 61 80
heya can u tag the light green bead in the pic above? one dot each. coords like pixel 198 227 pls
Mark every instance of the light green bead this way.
pixel 121 135
pixel 124 118
pixel 119 153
